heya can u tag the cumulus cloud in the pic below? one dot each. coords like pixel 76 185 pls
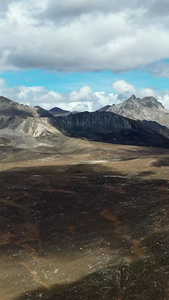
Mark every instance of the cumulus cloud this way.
pixel 84 94
pixel 106 98
pixel 82 35
pixel 121 86
pixel 147 92
pixel 85 99
pixel 163 97
pixel 36 95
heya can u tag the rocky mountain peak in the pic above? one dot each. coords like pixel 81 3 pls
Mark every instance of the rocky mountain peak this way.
pixel 148 108
pixel 134 103
pixel 132 97
pixel 151 102
pixel 131 103
pixel 137 103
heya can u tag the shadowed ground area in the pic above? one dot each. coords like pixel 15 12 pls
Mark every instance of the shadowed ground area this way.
pixel 85 231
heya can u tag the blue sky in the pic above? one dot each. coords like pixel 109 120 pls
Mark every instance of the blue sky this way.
pixel 81 54
pixel 99 81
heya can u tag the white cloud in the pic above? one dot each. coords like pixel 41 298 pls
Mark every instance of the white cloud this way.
pixel 36 95
pixel 83 100
pixel 82 35
pixel 164 98
pixel 80 106
pixel 84 94
pixel 106 99
pixel 121 87
pixel 146 93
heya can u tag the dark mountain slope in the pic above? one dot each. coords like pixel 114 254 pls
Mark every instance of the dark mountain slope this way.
pixel 156 127
pixel 111 128
pixel 56 111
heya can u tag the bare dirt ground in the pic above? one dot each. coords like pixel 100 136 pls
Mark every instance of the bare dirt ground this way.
pixel 91 224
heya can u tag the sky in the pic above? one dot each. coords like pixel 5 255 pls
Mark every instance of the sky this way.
pixel 83 54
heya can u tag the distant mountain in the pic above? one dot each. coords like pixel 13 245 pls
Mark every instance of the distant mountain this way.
pixel 56 111
pixel 111 128
pixel 104 108
pixel 148 109
pixel 25 126
pixel 12 108
pixel 24 119
pixel 22 124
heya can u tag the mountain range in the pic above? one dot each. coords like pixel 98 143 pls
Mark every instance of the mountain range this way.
pixel 143 122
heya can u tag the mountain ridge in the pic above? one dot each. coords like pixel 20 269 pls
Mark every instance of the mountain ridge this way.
pixel 32 125
pixel 111 128
pixel 148 108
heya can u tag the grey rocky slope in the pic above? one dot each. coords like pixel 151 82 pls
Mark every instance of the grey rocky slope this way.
pixel 150 112
pixel 148 109
pixel 25 126
pixel 109 127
